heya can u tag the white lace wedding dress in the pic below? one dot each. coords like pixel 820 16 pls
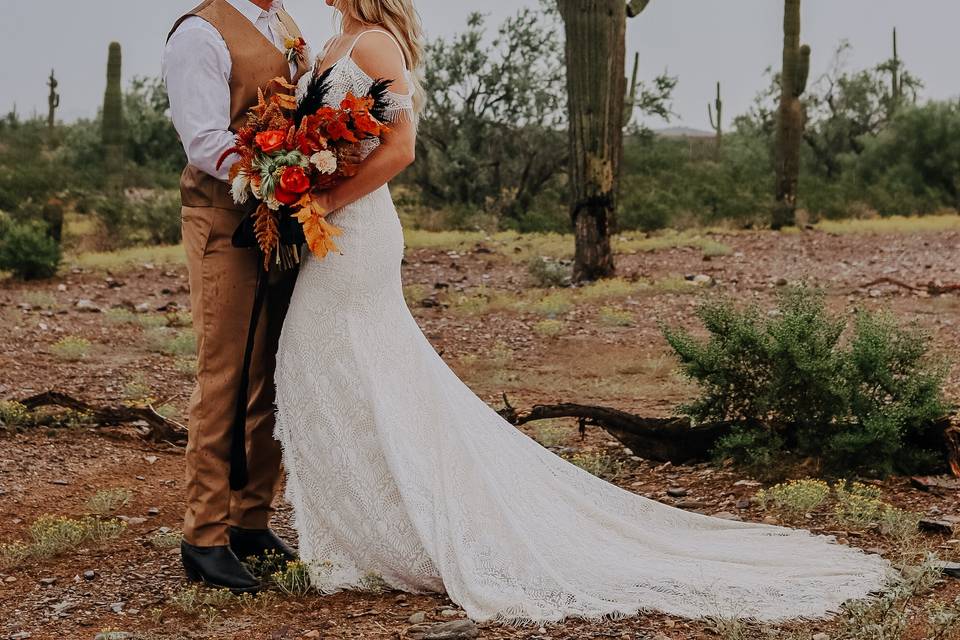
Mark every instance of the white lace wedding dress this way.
pixel 397 470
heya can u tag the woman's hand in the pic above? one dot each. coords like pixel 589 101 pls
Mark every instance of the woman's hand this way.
pixel 324 201
pixel 351 154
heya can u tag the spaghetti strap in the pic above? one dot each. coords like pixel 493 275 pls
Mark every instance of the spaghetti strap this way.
pixel 392 37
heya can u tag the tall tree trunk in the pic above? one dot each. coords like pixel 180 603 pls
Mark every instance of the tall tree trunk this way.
pixel 790 118
pixel 596 87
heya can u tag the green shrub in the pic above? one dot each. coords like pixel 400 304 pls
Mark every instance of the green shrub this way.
pixel 546 272
pixel 796 497
pixel 150 218
pixel 71 348
pixel 27 250
pixel 793 385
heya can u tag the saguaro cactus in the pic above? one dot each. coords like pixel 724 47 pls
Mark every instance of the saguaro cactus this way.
pixel 718 123
pixel 53 100
pixel 112 132
pixel 597 94
pixel 896 80
pixel 791 117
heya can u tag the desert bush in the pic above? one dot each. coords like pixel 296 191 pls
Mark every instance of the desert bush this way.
pixel 293 579
pixel 546 272
pixel 549 328
pixel 27 250
pixel 613 317
pixel 71 348
pixel 53 535
pixel 598 464
pixel 145 218
pixel 13 414
pixel 797 497
pixel 794 386
pixel 106 501
pixel 172 342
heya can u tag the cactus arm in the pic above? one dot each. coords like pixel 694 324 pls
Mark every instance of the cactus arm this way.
pixel 803 71
pixel 631 102
pixel 636 7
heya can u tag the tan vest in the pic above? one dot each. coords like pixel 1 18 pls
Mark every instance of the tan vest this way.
pixel 255 61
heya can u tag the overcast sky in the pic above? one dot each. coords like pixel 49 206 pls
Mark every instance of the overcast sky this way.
pixel 701 41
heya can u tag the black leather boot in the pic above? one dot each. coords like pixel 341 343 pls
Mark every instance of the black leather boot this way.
pixel 259 542
pixel 217 567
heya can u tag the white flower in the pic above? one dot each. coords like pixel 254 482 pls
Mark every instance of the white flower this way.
pixel 240 188
pixel 324 161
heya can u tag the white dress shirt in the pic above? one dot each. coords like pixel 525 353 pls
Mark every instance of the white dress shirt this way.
pixel 196 70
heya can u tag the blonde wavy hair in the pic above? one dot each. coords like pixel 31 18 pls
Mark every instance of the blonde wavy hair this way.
pixel 401 19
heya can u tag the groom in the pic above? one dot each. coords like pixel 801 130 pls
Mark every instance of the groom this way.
pixel 216 58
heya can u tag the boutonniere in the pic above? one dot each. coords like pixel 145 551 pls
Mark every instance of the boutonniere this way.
pixel 296 50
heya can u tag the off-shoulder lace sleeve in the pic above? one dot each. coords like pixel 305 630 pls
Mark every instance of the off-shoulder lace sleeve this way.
pixel 400 108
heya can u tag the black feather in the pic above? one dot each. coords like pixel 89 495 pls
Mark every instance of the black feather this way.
pixel 315 96
pixel 378 91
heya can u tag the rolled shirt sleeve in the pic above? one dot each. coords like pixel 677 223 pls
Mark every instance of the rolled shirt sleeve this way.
pixel 196 70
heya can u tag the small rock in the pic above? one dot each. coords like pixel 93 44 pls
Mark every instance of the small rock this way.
pixel 62 607
pixel 116 607
pixel 418 618
pixel 448 613
pixel 781 282
pixel 746 483
pixel 456 630
pixel 59 481
pixel 770 520
pixel 133 521
pixel 820 636
pixel 743 503
pixel 689 504
pixel 21 635
pixel 702 280
pixel 143 307
pixel 61 287
pixel 951 569
pixel 875 293
pixel 10 579
pixel 151 459
pixel 936 526
pixel 676 492
pixel 48 581
pixel 312 634
pixel 89 574
pixel 113 635
pixel 153 511
pixel 87 306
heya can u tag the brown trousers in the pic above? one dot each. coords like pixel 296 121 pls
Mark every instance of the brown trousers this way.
pixel 222 283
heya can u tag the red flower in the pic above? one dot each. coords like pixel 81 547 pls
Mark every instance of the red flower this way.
pixel 294 180
pixel 366 124
pixel 338 130
pixel 270 141
pixel 285 197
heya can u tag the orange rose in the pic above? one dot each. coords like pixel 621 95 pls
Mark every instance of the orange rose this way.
pixel 270 141
pixel 294 180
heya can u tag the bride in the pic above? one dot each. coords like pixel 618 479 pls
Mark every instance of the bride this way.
pixel 397 470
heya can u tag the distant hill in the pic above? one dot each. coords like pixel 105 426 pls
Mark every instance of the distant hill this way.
pixel 683 132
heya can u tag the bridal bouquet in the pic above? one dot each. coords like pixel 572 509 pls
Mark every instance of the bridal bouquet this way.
pixel 289 152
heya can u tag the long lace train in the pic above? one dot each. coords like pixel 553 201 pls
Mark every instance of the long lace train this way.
pixel 397 470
